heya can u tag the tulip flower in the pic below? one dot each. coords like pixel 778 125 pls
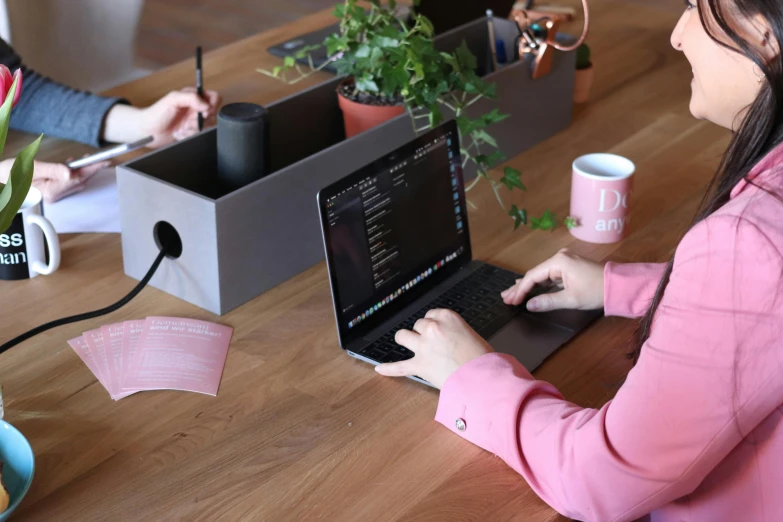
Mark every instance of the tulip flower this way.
pixel 13 193
pixel 7 80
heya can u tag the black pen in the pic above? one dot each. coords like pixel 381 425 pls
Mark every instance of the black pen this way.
pixel 199 85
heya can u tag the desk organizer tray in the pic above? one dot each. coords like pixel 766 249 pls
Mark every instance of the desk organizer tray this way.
pixel 238 245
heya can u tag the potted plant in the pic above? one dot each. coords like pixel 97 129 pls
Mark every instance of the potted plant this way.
pixel 393 67
pixel 14 191
pixel 584 74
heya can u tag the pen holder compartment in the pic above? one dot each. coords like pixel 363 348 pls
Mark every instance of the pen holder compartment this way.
pixel 238 245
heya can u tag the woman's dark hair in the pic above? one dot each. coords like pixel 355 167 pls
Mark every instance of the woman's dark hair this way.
pixel 760 130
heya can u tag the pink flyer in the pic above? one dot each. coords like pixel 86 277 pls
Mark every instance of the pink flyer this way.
pixel 179 354
pixel 83 351
pixel 130 341
pixel 94 340
pixel 112 342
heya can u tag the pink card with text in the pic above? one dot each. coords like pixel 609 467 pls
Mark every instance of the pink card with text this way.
pixel 112 342
pixel 179 354
pixel 79 346
pixel 131 335
pixel 94 340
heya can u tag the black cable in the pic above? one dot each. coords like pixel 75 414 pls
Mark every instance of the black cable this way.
pixel 88 315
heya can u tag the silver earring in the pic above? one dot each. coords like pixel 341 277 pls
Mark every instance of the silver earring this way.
pixel 760 75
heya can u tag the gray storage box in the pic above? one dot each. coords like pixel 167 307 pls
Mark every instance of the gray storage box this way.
pixel 239 245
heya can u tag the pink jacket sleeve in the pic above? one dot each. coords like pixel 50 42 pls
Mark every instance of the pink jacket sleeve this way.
pixel 690 399
pixel 629 288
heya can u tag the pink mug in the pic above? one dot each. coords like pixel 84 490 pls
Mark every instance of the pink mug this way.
pixel 600 197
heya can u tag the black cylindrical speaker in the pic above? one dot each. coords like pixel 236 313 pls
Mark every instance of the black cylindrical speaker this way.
pixel 241 144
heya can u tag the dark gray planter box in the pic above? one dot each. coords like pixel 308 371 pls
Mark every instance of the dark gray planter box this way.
pixel 237 246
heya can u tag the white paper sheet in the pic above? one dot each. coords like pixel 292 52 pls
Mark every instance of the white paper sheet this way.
pixel 94 209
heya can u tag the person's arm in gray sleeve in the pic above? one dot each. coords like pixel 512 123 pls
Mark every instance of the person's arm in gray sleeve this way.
pixel 48 107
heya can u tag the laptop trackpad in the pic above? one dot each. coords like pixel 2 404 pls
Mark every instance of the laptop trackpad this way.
pixel 530 341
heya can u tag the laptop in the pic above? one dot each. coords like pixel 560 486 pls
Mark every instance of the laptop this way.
pixel 442 13
pixel 397 243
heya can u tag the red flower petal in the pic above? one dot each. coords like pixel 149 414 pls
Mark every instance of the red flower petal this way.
pixel 5 82
pixel 18 79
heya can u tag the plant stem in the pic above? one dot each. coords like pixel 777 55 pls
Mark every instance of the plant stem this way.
pixel 447 104
pixel 473 184
pixel 413 119
pixel 497 194
pixel 474 100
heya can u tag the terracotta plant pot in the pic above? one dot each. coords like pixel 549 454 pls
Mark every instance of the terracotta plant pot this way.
pixel 360 117
pixel 583 83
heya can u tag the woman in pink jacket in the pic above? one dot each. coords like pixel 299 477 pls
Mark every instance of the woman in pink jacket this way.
pixel 696 431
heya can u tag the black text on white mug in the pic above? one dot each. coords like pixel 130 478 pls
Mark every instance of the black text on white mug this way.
pixel 23 247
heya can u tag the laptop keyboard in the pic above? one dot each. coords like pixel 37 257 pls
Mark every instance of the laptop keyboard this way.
pixel 476 298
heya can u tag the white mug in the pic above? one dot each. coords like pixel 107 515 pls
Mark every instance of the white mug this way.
pixel 23 247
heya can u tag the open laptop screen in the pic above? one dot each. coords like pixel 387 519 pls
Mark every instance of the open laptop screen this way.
pixel 395 229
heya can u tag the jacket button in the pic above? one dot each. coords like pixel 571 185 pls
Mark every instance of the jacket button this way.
pixel 461 424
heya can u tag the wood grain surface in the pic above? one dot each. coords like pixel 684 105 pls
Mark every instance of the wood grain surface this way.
pixel 300 431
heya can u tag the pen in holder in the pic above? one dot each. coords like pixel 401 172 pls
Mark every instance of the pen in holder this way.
pixel 538 37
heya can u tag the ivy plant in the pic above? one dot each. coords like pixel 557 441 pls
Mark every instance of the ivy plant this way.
pixel 397 61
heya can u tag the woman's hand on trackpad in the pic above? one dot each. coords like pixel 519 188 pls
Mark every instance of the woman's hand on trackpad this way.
pixel 581 284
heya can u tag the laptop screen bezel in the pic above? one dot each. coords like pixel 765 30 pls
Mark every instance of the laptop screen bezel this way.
pixel 348 336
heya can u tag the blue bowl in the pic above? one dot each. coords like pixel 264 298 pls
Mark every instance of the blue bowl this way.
pixel 18 466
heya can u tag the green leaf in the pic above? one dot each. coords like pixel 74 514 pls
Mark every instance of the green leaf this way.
pixel 465 57
pixel 5 196
pixel 366 84
pixel 496 157
pixel 363 51
pixel 427 28
pixel 468 126
pixel 335 44
pixel 519 215
pixel 511 179
pixel 436 116
pixel 289 61
pixel 395 78
pixel 570 223
pixel 545 222
pixel 472 88
pixel 494 117
pixel 376 58
pixel 465 125
pixel 451 60
pixel 5 116
pixel 490 160
pixel 19 182
pixel 304 51
pixel 276 71
pixel 358 13
pixel 339 11
pixel 482 136
pixel 385 41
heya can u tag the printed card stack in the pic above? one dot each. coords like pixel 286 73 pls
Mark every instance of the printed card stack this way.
pixel 158 353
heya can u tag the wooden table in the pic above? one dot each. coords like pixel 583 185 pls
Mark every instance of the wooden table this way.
pixel 299 430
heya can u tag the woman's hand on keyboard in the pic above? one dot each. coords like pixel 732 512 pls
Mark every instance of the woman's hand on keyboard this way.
pixel 441 342
pixel 581 284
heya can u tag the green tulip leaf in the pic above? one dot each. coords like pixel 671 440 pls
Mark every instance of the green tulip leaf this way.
pixel 19 183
